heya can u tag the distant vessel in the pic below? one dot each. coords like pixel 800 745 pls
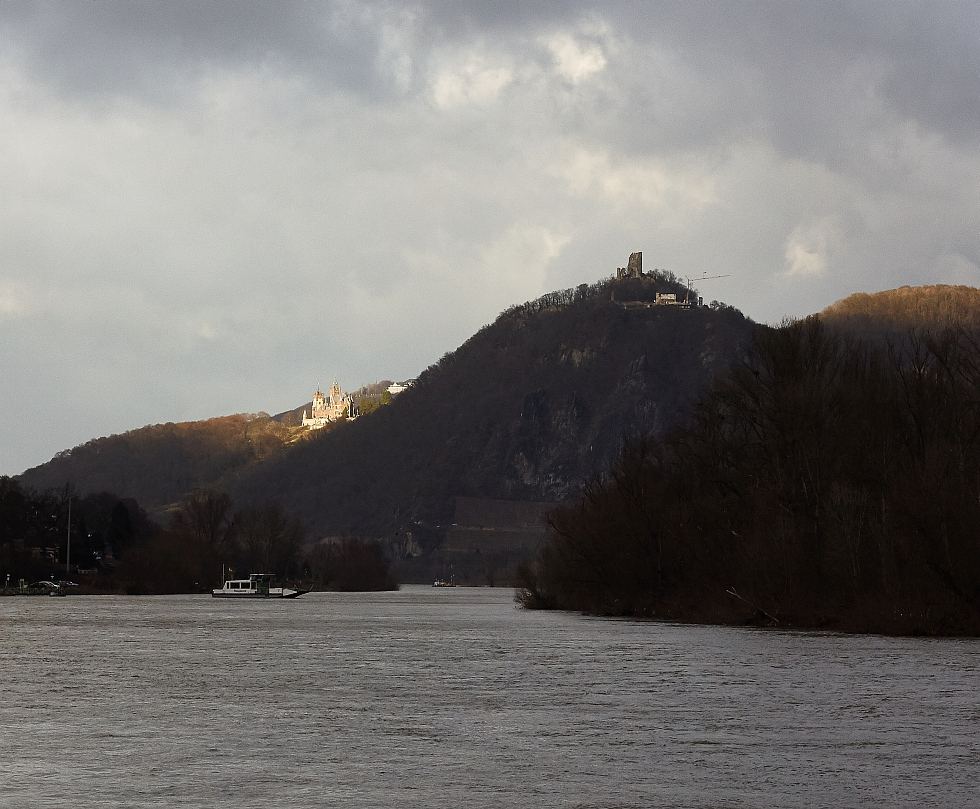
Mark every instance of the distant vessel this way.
pixel 256 585
pixel 444 583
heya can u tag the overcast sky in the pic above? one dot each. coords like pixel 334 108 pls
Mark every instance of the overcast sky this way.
pixel 210 207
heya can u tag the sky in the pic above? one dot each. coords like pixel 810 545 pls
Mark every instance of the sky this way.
pixel 213 207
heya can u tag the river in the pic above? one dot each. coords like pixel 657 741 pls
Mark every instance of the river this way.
pixel 453 697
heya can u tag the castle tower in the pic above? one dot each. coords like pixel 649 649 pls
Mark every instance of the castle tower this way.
pixel 635 266
pixel 634 269
pixel 336 406
pixel 319 406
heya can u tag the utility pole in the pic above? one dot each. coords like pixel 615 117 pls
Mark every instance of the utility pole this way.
pixel 68 551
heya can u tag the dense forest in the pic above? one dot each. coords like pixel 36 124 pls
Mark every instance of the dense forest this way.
pixel 822 482
pixel 115 546
pixel 34 530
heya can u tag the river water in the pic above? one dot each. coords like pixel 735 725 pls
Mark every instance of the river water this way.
pixel 453 697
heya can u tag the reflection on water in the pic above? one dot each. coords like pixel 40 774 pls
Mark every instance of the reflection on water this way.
pixel 452 697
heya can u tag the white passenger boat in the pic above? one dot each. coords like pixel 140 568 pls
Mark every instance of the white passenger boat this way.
pixel 258 585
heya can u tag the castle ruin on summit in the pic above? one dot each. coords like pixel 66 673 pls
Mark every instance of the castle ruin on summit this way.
pixel 634 269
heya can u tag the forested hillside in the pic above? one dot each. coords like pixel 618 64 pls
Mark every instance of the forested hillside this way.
pixel 881 314
pixel 527 409
pixel 160 464
pixel 822 473
pixel 820 482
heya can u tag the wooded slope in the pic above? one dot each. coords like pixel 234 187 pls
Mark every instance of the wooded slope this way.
pixel 527 409
pixel 880 314
pixel 159 464
pixel 820 482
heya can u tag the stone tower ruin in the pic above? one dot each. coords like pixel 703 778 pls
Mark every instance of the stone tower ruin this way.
pixel 634 269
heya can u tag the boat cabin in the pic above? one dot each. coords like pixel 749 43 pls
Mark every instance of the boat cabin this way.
pixel 257 583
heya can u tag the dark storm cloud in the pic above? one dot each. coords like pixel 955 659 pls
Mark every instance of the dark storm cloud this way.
pixel 813 76
pixel 142 46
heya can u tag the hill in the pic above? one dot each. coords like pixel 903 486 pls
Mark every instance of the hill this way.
pixel 810 478
pixel 159 464
pixel 527 409
pixel 880 314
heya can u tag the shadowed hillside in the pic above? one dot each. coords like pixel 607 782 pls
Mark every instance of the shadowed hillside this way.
pixel 822 481
pixel 160 464
pixel 527 409
pixel 541 402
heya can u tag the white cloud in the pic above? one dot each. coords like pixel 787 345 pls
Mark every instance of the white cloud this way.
pixel 396 45
pixel 808 248
pixel 520 258
pixel 477 80
pixel 574 60
pixel 673 190
pixel 13 299
pixel 955 268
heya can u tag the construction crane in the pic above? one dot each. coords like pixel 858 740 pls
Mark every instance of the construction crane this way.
pixel 690 283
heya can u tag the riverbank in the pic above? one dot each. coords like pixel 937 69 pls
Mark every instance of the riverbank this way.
pixel 731 609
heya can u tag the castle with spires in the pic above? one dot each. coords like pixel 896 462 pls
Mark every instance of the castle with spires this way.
pixel 329 407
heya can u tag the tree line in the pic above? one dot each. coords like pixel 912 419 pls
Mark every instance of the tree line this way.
pixel 878 313
pixel 822 481
pixel 116 547
pixel 35 529
pixel 206 535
